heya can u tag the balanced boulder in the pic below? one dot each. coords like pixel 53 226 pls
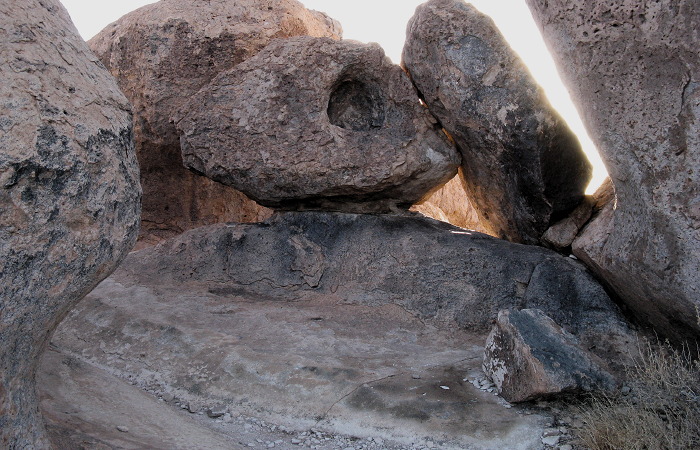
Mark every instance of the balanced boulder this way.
pixel 314 123
pixel 523 167
pixel 633 70
pixel 69 194
pixel 161 55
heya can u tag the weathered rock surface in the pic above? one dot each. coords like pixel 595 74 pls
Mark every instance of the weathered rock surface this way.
pixel 431 268
pixel 161 55
pixel 450 204
pixel 643 112
pixel 524 168
pixel 69 193
pixel 529 356
pixel 313 123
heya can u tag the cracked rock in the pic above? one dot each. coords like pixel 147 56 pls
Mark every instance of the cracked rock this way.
pixel 313 123
pixel 529 356
pixel 161 55
pixel 69 199
pixel 523 166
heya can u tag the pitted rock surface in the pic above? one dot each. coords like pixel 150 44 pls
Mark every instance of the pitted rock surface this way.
pixel 524 168
pixel 69 193
pixel 529 356
pixel 161 55
pixel 313 123
pixel 643 112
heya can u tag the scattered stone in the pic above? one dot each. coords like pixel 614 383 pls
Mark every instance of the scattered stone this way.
pixel 642 113
pixel 445 388
pixel 529 356
pixel 161 54
pixel 217 411
pixel 523 167
pixel 415 376
pixel 340 128
pixel 168 397
pixel 69 194
pixel 566 447
pixel 551 440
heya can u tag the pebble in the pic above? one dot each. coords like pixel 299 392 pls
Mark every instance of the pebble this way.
pixel 123 429
pixel 296 441
pixel 551 432
pixel 216 411
pixel 445 387
pixel 626 390
pixel 566 447
pixel 551 440
pixel 415 376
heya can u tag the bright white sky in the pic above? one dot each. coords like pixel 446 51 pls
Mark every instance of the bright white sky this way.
pixel 384 21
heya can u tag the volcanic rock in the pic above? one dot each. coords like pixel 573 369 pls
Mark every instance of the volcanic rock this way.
pixel 529 356
pixel 451 204
pixel 69 193
pixel 430 268
pixel 643 112
pixel 313 123
pixel 524 168
pixel 161 55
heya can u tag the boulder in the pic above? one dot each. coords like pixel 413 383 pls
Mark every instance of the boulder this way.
pixel 314 123
pixel 528 356
pixel 435 270
pixel 69 193
pixel 643 113
pixel 523 167
pixel 451 204
pixel 161 55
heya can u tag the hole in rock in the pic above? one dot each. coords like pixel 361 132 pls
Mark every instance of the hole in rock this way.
pixel 356 105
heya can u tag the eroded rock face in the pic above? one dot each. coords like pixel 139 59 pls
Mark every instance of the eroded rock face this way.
pixel 643 112
pixel 430 268
pixel 529 356
pixel 69 193
pixel 313 123
pixel 451 204
pixel 161 55
pixel 524 168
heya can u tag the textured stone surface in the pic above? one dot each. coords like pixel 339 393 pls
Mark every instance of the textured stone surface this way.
pixel 450 204
pixel 643 112
pixel 433 269
pixel 529 356
pixel 69 193
pixel 161 55
pixel 313 123
pixel 524 168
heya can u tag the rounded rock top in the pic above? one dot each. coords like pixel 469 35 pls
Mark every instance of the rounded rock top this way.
pixel 314 123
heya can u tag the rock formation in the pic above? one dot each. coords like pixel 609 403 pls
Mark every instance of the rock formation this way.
pixel 634 72
pixel 314 123
pixel 69 198
pixel 524 168
pixel 430 268
pixel 161 55
pixel 451 204
pixel 528 356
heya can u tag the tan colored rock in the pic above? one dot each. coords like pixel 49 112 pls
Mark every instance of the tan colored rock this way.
pixel 161 55
pixel 450 204
pixel 314 123
pixel 528 356
pixel 524 168
pixel 69 194
pixel 633 70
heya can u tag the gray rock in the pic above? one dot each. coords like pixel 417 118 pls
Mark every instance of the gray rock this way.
pixel 217 411
pixel 161 55
pixel 69 193
pixel 643 112
pixel 433 269
pixel 313 123
pixel 524 168
pixel 528 356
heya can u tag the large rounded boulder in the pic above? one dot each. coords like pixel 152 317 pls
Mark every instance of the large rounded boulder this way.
pixel 69 193
pixel 634 73
pixel 314 123
pixel 161 55
pixel 524 168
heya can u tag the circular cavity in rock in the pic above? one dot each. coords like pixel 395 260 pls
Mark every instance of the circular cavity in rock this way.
pixel 313 123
